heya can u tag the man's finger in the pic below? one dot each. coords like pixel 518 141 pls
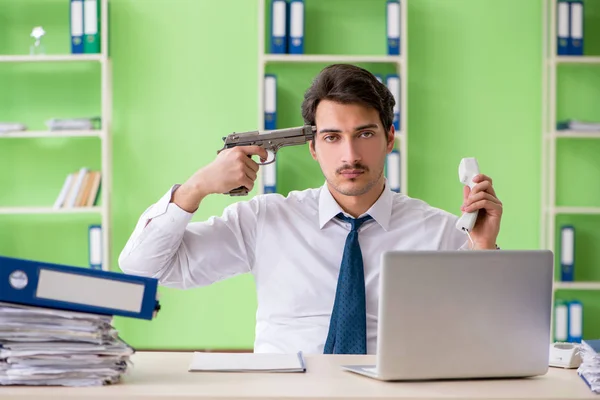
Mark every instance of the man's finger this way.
pixel 484 186
pixel 481 177
pixel 250 163
pixel 254 151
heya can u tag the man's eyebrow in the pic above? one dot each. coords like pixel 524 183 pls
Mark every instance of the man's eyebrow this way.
pixel 358 128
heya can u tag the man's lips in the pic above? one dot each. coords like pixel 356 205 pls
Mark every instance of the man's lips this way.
pixel 351 173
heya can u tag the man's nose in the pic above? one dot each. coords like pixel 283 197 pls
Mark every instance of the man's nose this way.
pixel 350 153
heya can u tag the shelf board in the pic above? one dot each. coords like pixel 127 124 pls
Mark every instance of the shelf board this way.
pixel 577 60
pixel 576 134
pixel 49 210
pixel 51 58
pixel 306 58
pixel 51 134
pixel 577 285
pixel 576 210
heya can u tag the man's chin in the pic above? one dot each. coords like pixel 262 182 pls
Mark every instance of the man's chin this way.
pixel 352 187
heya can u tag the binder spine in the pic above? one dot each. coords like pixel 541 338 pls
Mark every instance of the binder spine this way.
pixel 270 98
pixel 270 178
pixel 563 28
pixel 561 321
pixel 76 25
pixel 393 27
pixel 296 23
pixel 567 253
pixel 91 36
pixel 393 170
pixel 576 28
pixel 279 26
pixel 393 84
pixel 575 317
pixel 95 246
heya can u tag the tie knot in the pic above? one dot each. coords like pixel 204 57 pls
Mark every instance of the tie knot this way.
pixel 355 223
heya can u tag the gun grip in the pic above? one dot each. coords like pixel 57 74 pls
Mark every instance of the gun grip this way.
pixel 240 191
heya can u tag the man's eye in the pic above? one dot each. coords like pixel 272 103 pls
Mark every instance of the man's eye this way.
pixel 367 134
pixel 329 138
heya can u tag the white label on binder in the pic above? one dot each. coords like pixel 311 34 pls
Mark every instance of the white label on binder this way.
pixel 576 21
pixel 297 19
pixel 567 245
pixel 563 19
pixel 393 84
pixel 76 18
pixel 393 170
pixel 575 319
pixel 270 88
pixel 560 322
pixel 90 12
pixel 279 18
pixel 270 174
pixel 393 20
pixel 89 290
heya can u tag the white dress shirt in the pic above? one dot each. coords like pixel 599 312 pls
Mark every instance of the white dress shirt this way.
pixel 293 246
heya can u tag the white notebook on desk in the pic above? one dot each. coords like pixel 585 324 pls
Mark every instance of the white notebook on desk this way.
pixel 246 362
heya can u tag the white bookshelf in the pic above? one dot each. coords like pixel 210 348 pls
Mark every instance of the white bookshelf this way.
pixel 50 210
pixel 399 62
pixel 52 134
pixel 551 136
pixel 53 58
pixel 103 135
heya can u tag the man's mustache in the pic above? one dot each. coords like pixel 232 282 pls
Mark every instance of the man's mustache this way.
pixel 355 167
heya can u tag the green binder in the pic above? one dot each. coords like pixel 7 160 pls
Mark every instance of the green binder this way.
pixel 91 26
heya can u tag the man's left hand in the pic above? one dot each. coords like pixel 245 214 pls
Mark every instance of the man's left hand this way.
pixel 483 198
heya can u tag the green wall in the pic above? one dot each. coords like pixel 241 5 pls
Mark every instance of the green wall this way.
pixel 185 74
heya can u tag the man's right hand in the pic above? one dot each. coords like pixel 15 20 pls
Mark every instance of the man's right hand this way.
pixel 231 169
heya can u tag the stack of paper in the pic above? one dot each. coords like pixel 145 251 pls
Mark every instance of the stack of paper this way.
pixel 40 346
pixel 7 127
pixel 83 124
pixel 581 126
pixel 589 369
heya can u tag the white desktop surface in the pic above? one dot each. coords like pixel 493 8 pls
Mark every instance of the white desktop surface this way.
pixel 164 375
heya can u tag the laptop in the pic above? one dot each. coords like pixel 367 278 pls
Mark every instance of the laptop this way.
pixel 463 315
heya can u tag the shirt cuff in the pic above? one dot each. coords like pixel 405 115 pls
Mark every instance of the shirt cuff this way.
pixel 164 213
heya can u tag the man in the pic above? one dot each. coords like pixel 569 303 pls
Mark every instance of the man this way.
pixel 315 253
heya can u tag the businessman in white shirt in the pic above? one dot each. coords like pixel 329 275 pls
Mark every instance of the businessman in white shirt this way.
pixel 316 276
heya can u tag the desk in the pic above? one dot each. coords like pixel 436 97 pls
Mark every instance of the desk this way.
pixel 157 375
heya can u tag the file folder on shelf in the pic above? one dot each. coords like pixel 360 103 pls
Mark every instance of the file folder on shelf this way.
pixel 72 288
pixel 561 321
pixel 296 35
pixel 91 26
pixel 270 102
pixel 393 27
pixel 576 28
pixel 393 84
pixel 279 26
pixel 270 178
pixel 567 253
pixel 563 27
pixel 393 170
pixel 76 25
pixel 575 322
pixel 95 246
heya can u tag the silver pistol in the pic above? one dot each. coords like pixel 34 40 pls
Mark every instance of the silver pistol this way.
pixel 271 141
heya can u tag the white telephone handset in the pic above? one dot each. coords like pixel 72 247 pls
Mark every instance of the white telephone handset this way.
pixel 467 170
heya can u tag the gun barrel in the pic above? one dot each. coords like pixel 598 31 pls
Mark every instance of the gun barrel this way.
pixel 274 137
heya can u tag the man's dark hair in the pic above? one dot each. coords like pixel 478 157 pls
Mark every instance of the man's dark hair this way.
pixel 349 84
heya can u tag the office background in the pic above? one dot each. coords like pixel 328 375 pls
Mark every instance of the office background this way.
pixel 185 74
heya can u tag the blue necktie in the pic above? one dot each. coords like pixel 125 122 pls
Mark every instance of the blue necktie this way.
pixel 348 324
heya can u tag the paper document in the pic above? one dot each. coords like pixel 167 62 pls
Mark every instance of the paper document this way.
pixel 247 362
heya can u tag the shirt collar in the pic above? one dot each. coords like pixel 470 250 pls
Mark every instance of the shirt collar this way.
pixel 381 210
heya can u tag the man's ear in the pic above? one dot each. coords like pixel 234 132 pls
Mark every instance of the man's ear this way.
pixel 311 147
pixel 391 139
